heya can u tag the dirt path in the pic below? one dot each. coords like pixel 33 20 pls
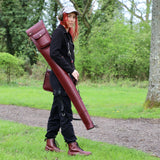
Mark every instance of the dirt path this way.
pixel 142 134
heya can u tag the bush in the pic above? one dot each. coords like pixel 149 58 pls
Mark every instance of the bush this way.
pixel 10 66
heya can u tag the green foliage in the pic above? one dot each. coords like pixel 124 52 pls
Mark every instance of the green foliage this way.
pixel 116 51
pixel 88 18
pixel 50 13
pixel 38 69
pixel 19 15
pixel 2 42
pixel 109 48
pixel 15 18
pixel 10 65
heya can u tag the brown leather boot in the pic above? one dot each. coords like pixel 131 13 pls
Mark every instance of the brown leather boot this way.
pixel 74 149
pixel 51 145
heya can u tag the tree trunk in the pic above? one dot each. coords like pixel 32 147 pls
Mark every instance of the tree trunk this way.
pixel 132 11
pixel 55 10
pixel 9 43
pixel 153 96
pixel 148 5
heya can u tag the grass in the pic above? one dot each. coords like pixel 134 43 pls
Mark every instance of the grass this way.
pixel 23 142
pixel 110 101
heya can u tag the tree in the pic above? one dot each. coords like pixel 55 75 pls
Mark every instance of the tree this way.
pixel 132 11
pixel 15 18
pixel 87 17
pixel 153 96
pixel 141 14
pixel 19 15
pixel 50 15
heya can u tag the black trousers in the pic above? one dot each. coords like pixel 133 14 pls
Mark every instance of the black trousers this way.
pixel 61 113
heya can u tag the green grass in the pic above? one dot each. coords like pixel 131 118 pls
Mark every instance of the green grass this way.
pixel 26 96
pixel 21 142
pixel 110 101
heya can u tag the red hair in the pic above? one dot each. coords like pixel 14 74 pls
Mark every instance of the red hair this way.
pixel 74 30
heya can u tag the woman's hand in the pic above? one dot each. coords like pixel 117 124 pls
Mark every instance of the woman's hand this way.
pixel 75 74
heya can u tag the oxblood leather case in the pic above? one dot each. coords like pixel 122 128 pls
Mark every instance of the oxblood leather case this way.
pixel 41 38
pixel 39 35
pixel 46 84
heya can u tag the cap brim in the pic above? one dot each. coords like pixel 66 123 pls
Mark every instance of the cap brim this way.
pixel 71 10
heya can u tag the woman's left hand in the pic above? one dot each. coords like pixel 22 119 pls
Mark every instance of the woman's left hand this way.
pixel 75 74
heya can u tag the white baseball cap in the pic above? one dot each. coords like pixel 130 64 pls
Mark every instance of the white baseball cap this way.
pixel 70 9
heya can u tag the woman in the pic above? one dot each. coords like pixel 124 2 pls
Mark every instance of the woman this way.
pixel 62 52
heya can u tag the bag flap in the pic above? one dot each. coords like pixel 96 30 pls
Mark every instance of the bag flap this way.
pixel 39 34
pixel 35 28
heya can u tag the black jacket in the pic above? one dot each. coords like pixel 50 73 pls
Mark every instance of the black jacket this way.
pixel 60 52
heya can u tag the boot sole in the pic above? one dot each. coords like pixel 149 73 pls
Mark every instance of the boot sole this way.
pixel 77 153
pixel 50 149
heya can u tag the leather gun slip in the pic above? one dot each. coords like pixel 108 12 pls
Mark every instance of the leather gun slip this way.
pixel 41 38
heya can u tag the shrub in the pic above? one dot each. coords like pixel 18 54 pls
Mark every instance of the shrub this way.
pixel 11 66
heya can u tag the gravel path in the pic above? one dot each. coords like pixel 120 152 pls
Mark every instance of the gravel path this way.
pixel 141 134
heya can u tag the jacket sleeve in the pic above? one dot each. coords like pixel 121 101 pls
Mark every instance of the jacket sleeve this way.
pixel 57 49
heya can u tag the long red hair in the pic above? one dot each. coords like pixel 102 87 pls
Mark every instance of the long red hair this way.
pixel 74 30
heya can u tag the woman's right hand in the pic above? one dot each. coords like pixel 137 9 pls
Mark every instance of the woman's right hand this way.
pixel 75 74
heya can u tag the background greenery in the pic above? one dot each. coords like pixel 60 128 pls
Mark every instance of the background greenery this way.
pixel 110 46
